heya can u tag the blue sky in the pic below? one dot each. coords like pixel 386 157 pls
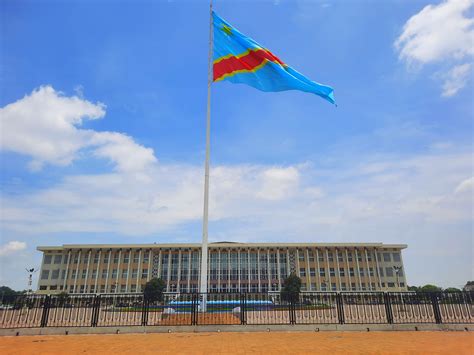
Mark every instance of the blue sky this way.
pixel 103 123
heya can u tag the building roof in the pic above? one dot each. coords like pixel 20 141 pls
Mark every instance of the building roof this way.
pixel 225 244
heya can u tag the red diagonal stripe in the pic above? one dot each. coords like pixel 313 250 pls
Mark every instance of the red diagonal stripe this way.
pixel 247 62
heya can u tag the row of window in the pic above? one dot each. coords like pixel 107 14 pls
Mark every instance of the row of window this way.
pixel 389 272
pixel 95 258
pixel 342 256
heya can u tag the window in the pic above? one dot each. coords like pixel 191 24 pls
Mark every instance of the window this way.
pixel 303 287
pixel 123 288
pixel 144 273
pixel 104 273
pixel 84 273
pixel 322 272
pixel 363 286
pixel 343 286
pixel 73 274
pixel 124 273
pixel 45 275
pixel 369 256
pixel 63 275
pixel 102 288
pixel 92 289
pixel 126 258
pixel 96 258
pixel 94 273
pixel 339 257
pixel 301 255
pixel 351 271
pixel 333 286
pixel 58 259
pixel 323 287
pixel 372 286
pixel 381 271
pixel 330 257
pixel 302 272
pixel 114 273
pixel 55 274
pixel 386 257
pixel 136 257
pixel 321 257
pixel 371 271
pixel 85 259
pixel 133 288
pixel 361 271
pixel 396 257
pixel 402 284
pixel 43 288
pixel 389 271
pixel 353 286
pixel 341 272
pixel 310 256
pixel 146 257
pixel 359 257
pixel 82 289
pixel 349 256
pixel 134 273
pixel 116 258
pixel 312 271
pixel 106 258
pixel 383 284
pixel 47 259
pixel 76 259
pixel 332 272
pixel 391 284
pixel 313 286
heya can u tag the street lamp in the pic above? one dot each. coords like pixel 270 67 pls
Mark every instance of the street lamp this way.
pixel 30 272
pixel 397 273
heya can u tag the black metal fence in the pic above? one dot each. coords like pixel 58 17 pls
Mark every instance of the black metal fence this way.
pixel 105 310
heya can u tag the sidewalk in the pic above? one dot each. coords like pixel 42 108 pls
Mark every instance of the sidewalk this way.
pixel 246 343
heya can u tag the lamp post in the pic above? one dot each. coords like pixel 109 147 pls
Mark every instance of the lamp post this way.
pixel 397 273
pixel 30 272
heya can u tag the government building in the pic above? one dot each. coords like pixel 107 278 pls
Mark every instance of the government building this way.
pixel 232 267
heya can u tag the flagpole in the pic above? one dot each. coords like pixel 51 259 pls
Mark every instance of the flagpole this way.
pixel 203 285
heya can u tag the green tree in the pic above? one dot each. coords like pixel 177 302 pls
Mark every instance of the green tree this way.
pixel 154 290
pixel 452 289
pixel 62 298
pixel 291 288
pixel 413 288
pixel 430 288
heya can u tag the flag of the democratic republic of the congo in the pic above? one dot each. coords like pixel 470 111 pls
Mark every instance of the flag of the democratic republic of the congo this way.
pixel 240 59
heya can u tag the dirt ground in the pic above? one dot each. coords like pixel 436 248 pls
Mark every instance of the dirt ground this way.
pixel 246 343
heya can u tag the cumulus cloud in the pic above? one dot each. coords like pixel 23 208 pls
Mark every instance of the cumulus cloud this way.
pixel 12 247
pixel 45 125
pixel 441 33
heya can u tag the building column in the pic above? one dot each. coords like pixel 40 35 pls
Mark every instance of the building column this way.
pixel 368 270
pixel 108 271
pixel 119 271
pixel 338 274
pixel 87 270
pixel 66 276
pixel 329 270
pixel 298 262
pixel 404 277
pixel 139 271
pixel 358 269
pixel 349 287
pixel 239 274
pixel 229 271
pixel 128 268
pixel 258 270
pixel 97 273
pixel 248 270
pixel 188 281
pixel 178 285
pixel 317 271
pixel 159 265
pixel 377 268
pixel 150 257
pixel 77 270
pixel 288 269
pixel 308 272
pixel 278 269
pixel 168 279
pixel 269 271
pixel 219 270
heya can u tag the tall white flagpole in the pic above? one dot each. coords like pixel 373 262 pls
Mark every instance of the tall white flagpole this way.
pixel 203 286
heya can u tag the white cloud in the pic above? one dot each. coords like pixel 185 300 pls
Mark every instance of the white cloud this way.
pixel 465 186
pixel 12 247
pixel 45 126
pixel 441 33
pixel 456 79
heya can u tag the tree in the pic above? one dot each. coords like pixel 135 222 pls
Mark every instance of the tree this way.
pixel 154 290
pixel 291 288
pixel 430 288
pixel 62 298
pixel 413 288
pixel 452 289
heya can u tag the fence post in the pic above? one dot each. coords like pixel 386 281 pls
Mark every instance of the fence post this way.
pixel 291 307
pixel 243 308
pixel 194 308
pixel 145 304
pixel 95 311
pixel 436 310
pixel 45 314
pixel 388 307
pixel 340 308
